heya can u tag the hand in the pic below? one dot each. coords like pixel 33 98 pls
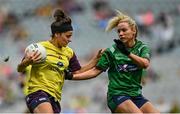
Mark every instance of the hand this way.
pixel 28 59
pixel 68 74
pixel 98 54
pixel 32 57
pixel 120 45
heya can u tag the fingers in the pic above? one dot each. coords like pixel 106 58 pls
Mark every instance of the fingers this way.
pixel 115 40
pixel 118 42
pixel 34 56
pixel 100 52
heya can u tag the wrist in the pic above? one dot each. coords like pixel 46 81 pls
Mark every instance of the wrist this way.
pixel 128 53
pixel 27 62
pixel 68 75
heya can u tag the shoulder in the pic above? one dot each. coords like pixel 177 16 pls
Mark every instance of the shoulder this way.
pixel 141 44
pixel 111 49
pixel 69 51
pixel 44 43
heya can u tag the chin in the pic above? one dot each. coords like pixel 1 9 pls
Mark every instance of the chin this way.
pixel 65 45
pixel 123 40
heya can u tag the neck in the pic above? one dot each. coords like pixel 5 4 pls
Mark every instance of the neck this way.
pixel 52 41
pixel 131 44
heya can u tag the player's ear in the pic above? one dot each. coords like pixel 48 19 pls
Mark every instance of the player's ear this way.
pixel 133 30
pixel 58 34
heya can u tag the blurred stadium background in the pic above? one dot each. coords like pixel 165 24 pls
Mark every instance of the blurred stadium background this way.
pixel 26 21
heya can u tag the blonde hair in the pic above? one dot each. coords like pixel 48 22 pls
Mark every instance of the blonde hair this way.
pixel 120 17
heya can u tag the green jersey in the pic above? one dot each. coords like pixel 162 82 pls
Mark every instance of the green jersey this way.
pixel 124 75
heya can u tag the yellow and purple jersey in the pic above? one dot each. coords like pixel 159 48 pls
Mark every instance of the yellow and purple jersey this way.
pixel 49 75
pixel 27 75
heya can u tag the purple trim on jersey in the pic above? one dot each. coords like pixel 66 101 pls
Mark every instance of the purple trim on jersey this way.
pixel 74 64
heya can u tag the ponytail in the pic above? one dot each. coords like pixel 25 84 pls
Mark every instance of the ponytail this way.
pixel 62 22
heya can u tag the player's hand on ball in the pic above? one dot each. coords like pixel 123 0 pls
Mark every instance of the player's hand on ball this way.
pixel 36 56
pixel 32 57
pixel 36 52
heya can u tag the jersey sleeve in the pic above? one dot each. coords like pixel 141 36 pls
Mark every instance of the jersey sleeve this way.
pixel 145 52
pixel 74 64
pixel 103 63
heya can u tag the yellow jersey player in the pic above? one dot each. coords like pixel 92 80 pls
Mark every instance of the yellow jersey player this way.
pixel 44 86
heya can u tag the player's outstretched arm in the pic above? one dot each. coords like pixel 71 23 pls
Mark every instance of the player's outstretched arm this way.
pixel 92 63
pixel 92 73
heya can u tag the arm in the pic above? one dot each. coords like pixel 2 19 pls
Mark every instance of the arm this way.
pixel 24 63
pixel 28 59
pixel 92 73
pixel 141 62
pixel 76 69
pixel 92 63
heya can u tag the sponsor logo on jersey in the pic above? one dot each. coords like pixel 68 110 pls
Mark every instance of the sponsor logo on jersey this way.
pixel 127 67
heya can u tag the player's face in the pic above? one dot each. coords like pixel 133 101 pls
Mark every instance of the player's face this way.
pixel 65 38
pixel 125 32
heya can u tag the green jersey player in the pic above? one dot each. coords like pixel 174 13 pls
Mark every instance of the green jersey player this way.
pixel 125 62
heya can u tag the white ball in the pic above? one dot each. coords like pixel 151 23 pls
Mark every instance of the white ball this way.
pixel 35 46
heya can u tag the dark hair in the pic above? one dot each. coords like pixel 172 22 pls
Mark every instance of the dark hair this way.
pixel 62 22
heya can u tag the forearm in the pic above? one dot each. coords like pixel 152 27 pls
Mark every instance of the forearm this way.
pixel 141 62
pixel 92 63
pixel 22 66
pixel 88 66
pixel 29 59
pixel 92 73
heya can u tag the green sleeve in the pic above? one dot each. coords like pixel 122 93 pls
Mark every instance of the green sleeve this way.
pixel 103 62
pixel 145 52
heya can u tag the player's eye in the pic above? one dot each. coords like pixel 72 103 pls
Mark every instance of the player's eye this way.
pixel 68 36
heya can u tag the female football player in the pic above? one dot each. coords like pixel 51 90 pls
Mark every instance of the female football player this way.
pixel 44 87
pixel 125 62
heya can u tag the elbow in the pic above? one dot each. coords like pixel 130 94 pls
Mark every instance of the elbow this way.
pixel 95 76
pixel 19 69
pixel 145 65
